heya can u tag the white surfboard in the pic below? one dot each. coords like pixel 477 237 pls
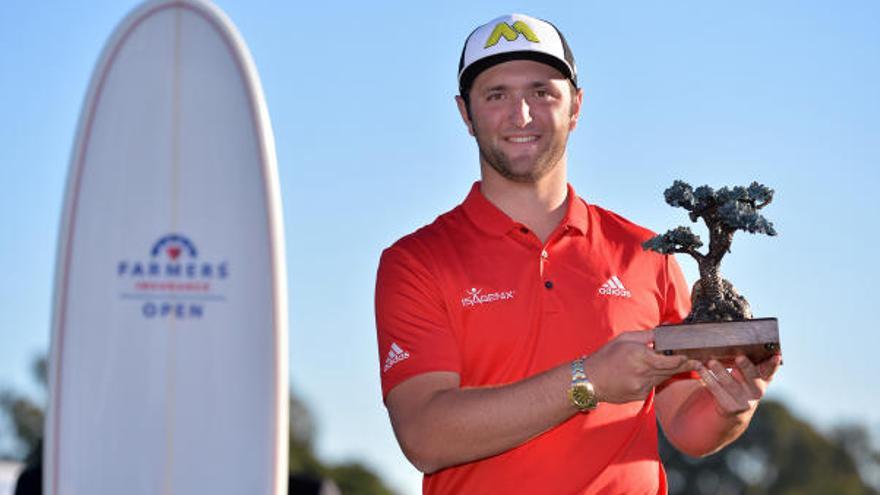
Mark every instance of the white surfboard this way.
pixel 169 342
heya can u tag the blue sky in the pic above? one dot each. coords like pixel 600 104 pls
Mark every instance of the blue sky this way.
pixel 370 147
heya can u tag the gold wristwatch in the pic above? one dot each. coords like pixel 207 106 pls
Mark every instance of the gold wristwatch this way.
pixel 581 393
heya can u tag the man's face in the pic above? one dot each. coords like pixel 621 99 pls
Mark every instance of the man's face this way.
pixel 521 114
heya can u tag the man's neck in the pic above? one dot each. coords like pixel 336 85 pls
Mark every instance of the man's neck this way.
pixel 539 205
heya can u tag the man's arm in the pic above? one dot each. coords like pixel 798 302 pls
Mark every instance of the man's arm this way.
pixel 438 424
pixel 700 417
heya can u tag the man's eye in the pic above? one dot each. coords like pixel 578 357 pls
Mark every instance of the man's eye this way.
pixel 494 96
pixel 542 93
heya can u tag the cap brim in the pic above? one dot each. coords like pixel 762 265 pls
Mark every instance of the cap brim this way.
pixel 470 73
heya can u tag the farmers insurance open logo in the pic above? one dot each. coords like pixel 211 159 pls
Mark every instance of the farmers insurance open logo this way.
pixel 173 282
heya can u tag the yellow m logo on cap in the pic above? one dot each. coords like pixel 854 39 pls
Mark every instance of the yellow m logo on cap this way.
pixel 511 33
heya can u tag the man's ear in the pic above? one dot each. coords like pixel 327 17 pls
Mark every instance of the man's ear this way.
pixel 576 105
pixel 462 109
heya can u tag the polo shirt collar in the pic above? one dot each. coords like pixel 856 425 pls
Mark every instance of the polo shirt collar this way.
pixel 493 221
pixel 577 216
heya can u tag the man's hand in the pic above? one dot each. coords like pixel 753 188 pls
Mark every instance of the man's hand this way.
pixel 702 417
pixel 626 369
pixel 738 390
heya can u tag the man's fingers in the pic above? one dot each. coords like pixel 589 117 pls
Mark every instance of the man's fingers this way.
pixel 751 376
pixel 725 403
pixel 667 363
pixel 769 367
pixel 721 374
pixel 747 368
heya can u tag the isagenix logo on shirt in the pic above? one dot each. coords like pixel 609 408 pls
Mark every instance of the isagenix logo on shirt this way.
pixel 476 297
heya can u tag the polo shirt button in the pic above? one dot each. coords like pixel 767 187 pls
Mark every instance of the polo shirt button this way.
pixel 544 254
pixel 548 284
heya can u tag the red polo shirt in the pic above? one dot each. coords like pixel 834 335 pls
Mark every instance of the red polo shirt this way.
pixel 478 294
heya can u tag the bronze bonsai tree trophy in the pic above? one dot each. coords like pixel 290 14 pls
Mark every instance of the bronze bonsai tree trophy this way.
pixel 720 324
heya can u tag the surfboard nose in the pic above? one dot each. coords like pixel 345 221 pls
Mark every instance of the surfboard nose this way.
pixel 170 319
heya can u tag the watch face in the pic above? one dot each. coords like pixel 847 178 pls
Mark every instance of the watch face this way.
pixel 583 397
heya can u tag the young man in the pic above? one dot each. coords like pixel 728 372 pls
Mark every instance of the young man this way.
pixel 514 331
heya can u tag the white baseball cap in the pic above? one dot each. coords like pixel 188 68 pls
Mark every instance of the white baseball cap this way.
pixel 513 37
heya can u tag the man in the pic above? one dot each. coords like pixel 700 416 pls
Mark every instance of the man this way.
pixel 514 331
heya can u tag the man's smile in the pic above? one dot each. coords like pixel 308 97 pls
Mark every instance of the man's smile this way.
pixel 521 139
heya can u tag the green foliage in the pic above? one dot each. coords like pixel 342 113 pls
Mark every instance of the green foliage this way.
pixel 352 478
pixel 857 441
pixel 355 479
pixel 40 371
pixel 760 193
pixel 736 208
pixel 737 215
pixel 680 194
pixel 678 240
pixel 302 459
pixel 778 454
pixel 26 417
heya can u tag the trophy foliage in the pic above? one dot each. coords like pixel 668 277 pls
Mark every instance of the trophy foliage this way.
pixel 724 211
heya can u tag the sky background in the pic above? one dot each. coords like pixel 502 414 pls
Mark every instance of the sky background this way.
pixel 370 147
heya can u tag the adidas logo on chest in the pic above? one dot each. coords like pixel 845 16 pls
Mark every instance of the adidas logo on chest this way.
pixel 614 288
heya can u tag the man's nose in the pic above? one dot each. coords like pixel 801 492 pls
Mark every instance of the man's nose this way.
pixel 520 112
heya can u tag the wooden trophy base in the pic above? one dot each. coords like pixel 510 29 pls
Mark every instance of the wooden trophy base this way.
pixel 758 339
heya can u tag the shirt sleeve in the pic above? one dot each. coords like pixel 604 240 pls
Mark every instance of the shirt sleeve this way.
pixel 412 324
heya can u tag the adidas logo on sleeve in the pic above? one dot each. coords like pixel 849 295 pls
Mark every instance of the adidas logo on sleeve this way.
pixel 395 355
pixel 614 287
